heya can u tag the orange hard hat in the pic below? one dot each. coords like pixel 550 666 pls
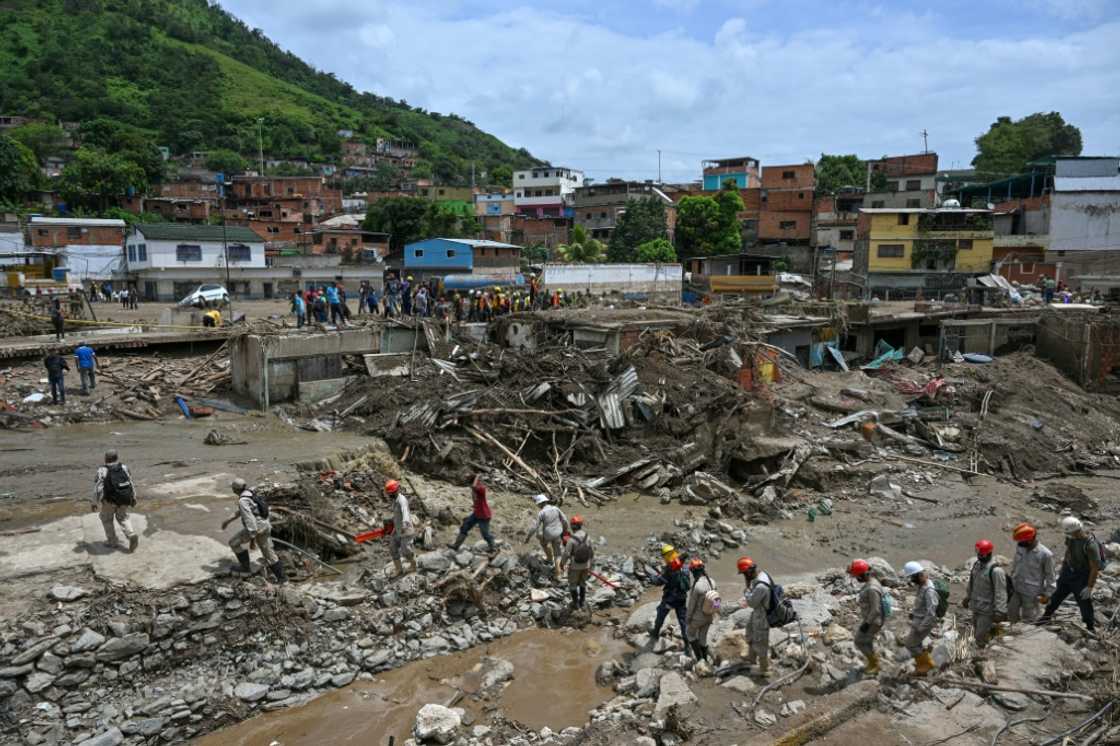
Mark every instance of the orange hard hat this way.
pixel 392 486
pixel 577 520
pixel 696 564
pixel 1024 532
pixel 675 564
pixel 744 564
pixel 859 567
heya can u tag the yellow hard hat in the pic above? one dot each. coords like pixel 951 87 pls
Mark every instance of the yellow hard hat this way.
pixel 667 549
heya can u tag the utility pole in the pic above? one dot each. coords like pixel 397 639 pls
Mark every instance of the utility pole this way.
pixel 659 166
pixel 260 142
pixel 925 141
pixel 225 253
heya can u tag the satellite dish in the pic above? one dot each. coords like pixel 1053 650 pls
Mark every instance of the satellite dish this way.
pixel 951 203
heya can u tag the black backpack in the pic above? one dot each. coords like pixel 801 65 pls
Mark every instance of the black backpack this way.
pixel 260 502
pixel 583 551
pixel 118 487
pixel 781 611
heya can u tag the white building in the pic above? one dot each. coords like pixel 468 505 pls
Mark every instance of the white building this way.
pixel 89 248
pixel 547 191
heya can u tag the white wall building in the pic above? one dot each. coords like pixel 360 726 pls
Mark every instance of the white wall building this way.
pixel 1085 206
pixel 546 191
pixel 89 248
pixel 187 246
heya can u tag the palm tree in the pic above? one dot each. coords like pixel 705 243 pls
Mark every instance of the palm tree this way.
pixel 581 249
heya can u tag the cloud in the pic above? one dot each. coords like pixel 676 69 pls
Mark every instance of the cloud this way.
pixel 576 89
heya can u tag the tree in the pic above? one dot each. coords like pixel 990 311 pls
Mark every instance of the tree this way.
pixel 658 250
pixel 643 221
pixel 19 171
pixel 95 178
pixel 225 161
pixel 1008 146
pixel 730 205
pixel 535 254
pixel 703 228
pixel 501 175
pixel 580 249
pixel 835 172
pixel 43 139
pixel 128 142
pixel 401 217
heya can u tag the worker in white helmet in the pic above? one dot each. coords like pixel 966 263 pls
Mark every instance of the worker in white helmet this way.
pixel 1078 575
pixel 924 617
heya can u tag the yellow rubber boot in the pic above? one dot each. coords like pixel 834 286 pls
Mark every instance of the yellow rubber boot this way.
pixel 872 668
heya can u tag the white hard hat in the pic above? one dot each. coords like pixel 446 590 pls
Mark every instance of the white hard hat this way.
pixel 540 499
pixel 912 568
pixel 1071 525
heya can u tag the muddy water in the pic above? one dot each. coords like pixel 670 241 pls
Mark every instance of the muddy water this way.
pixel 554 685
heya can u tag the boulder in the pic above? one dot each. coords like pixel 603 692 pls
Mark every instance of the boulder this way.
pixel 32 653
pixel 641 619
pixel 433 562
pixel 66 593
pixel 648 682
pixel 37 681
pixel 493 671
pixel 247 691
pixel 741 684
pixel 88 640
pixel 884 571
pixel 437 724
pixel 120 648
pixel 673 692
pixel 111 737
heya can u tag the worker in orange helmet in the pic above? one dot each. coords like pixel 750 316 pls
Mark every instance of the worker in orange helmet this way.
pixel 871 613
pixel 1033 579
pixel 756 597
pixel 404 528
pixel 986 596
pixel 578 556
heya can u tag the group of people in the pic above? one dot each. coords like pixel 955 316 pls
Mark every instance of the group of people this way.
pixel 57 366
pixel 325 304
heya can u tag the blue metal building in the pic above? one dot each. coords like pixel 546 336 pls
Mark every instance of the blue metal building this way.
pixel 458 254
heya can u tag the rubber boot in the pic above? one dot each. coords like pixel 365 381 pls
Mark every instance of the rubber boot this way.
pixel 575 599
pixel 133 542
pixel 454 546
pixel 872 668
pixel 412 564
pixel 923 664
pixel 398 567
pixel 243 561
pixel 278 572
pixel 556 568
pixel 582 596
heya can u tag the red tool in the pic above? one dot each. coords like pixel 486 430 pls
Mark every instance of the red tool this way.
pixel 377 533
pixel 601 579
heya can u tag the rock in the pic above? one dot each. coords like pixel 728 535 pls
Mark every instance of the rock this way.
pixel 337 614
pixel 493 671
pixel 247 691
pixel 1011 700
pixel 302 679
pixel 641 618
pixel 649 682
pixel 764 718
pixel 342 679
pixel 66 593
pixel 120 648
pixel 73 678
pixel 741 684
pixel 433 562
pixel 338 594
pixel 32 653
pixel 147 727
pixel 89 640
pixel 50 663
pixel 434 646
pixel 204 608
pixel 437 724
pixel 882 486
pixel 673 692
pixel 111 737
pixel 791 708
pixel 377 660
pixel 37 681
pixel 12 672
pixel 884 571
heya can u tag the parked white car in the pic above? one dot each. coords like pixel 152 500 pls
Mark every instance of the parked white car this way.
pixel 206 295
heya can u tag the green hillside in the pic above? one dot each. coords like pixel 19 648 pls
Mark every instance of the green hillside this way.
pixel 188 75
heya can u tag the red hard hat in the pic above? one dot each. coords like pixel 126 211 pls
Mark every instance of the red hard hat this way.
pixel 675 563
pixel 577 520
pixel 1024 532
pixel 744 564
pixel 984 547
pixel 392 486
pixel 696 564
pixel 858 567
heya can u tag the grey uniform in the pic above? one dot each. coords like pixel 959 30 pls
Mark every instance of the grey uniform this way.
pixel 253 528
pixel 871 614
pixel 1032 576
pixel 550 526
pixel 578 572
pixel 758 629
pixel 698 622
pixel 404 529
pixel 923 619
pixel 109 511
pixel 987 596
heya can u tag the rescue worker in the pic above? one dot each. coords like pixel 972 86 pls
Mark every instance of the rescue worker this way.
pixel 58 320
pixel 404 529
pixel 87 367
pixel 986 596
pixel 674 595
pixel 480 516
pixel 698 621
pixel 113 495
pixel 551 525
pixel 1078 575
pixel 212 319
pixel 255 530
pixel 756 597
pixel 56 366
pixel 923 618
pixel 1032 576
pixel 870 614
pixel 579 553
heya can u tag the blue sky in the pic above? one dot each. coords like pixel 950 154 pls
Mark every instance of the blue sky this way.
pixel 602 85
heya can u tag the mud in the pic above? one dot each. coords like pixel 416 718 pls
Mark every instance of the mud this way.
pixel 546 662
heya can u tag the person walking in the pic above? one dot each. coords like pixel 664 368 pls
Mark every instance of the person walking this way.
pixel 404 529
pixel 56 366
pixel 700 610
pixel 986 596
pixel 334 300
pixel 480 516
pixel 58 320
pixel 923 618
pixel 1033 581
pixel 87 367
pixel 255 530
pixel 113 495
pixel 579 554
pixel 871 614
pixel 674 594
pixel 299 308
pixel 756 597
pixel 1080 567
pixel 550 526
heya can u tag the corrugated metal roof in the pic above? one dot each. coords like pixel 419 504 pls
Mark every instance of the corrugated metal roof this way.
pixel 1087 184
pixel 80 222
pixel 190 232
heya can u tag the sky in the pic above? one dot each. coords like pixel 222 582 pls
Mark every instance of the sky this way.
pixel 602 85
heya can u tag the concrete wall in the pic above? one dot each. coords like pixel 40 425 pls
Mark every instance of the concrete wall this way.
pixel 660 281
pixel 1083 344
pixel 1085 221
pixel 270 368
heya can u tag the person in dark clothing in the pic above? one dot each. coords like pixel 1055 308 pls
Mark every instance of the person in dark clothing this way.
pixel 1078 575
pixel 58 320
pixel 480 516
pixel 56 367
pixel 674 596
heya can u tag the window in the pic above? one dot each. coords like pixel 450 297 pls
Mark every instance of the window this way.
pixel 889 250
pixel 602 215
pixel 964 243
pixel 847 235
pixel 142 252
pixel 786 175
pixel 43 232
pixel 904 218
pixel 450 253
pixel 787 225
pixel 273 229
pixel 892 186
pixel 73 233
pixel 520 176
pixel 913 203
pixel 188 253
pixel 131 253
pixel 239 252
pixel 801 195
pixel 519 194
pixel 913 185
pixel 877 204
pixel 418 253
pixel 588 217
pixel 441 193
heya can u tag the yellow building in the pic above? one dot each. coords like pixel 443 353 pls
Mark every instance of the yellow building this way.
pixel 921 240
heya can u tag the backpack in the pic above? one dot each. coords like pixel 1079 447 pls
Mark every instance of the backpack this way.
pixel 1102 556
pixel 118 487
pixel 886 605
pixel 260 502
pixel 1006 577
pixel 781 611
pixel 712 601
pixel 942 589
pixel 583 551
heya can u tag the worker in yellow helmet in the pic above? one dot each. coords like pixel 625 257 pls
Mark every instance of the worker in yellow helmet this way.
pixel 212 318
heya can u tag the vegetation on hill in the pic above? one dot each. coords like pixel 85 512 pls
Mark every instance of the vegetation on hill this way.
pixel 188 75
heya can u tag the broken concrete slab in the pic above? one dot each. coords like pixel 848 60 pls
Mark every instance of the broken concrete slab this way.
pixel 673 692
